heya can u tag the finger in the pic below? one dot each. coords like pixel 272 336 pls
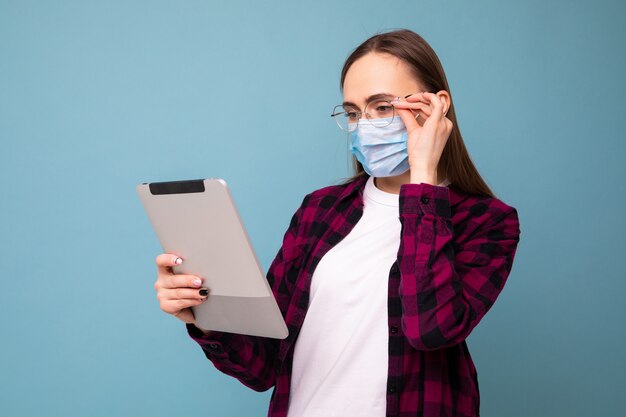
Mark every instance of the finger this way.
pixel 412 98
pixel 186 315
pixel 436 105
pixel 175 306
pixel 166 261
pixel 409 119
pixel 425 112
pixel 409 105
pixel 416 108
pixel 179 281
pixel 421 112
pixel 183 294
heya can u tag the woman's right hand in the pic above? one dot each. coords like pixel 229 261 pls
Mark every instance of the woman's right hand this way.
pixel 178 293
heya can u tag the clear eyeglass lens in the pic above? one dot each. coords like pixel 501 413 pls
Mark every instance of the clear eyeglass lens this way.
pixel 380 113
pixel 346 117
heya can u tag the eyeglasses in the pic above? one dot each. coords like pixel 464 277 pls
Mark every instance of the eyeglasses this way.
pixel 378 112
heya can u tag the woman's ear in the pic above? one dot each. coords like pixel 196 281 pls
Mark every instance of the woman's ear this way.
pixel 445 99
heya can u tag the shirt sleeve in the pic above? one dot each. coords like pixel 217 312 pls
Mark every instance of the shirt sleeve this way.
pixel 447 287
pixel 253 360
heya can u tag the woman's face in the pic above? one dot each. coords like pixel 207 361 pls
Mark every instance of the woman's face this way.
pixel 377 74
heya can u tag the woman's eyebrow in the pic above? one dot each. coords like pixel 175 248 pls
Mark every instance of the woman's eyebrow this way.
pixel 378 96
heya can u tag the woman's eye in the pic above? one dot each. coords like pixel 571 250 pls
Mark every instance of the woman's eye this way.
pixel 383 109
pixel 351 115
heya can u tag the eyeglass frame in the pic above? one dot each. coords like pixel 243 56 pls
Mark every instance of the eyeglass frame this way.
pixel 360 113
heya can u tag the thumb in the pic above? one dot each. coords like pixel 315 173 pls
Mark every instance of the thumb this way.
pixel 408 118
pixel 186 315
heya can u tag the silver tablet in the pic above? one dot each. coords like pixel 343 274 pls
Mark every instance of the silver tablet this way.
pixel 198 221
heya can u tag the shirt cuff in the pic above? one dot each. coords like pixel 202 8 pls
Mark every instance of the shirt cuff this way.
pixel 214 343
pixel 424 198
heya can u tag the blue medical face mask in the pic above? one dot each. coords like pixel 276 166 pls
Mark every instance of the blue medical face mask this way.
pixel 381 150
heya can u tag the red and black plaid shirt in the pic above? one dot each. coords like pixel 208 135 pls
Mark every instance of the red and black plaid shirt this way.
pixel 455 254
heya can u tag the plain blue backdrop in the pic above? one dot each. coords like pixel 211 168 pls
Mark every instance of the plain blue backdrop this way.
pixel 96 97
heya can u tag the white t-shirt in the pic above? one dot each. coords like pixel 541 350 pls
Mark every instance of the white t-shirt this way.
pixel 341 354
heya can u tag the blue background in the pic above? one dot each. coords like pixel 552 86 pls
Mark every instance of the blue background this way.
pixel 96 97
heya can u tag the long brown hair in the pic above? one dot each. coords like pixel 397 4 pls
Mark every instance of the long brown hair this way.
pixel 455 163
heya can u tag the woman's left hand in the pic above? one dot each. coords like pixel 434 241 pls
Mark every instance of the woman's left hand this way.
pixel 426 140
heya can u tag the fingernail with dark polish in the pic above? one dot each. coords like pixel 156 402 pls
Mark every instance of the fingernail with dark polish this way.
pixel 203 292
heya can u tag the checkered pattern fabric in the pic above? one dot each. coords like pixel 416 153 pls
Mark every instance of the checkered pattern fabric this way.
pixel 455 254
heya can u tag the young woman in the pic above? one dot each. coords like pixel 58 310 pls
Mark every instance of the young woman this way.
pixel 380 278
